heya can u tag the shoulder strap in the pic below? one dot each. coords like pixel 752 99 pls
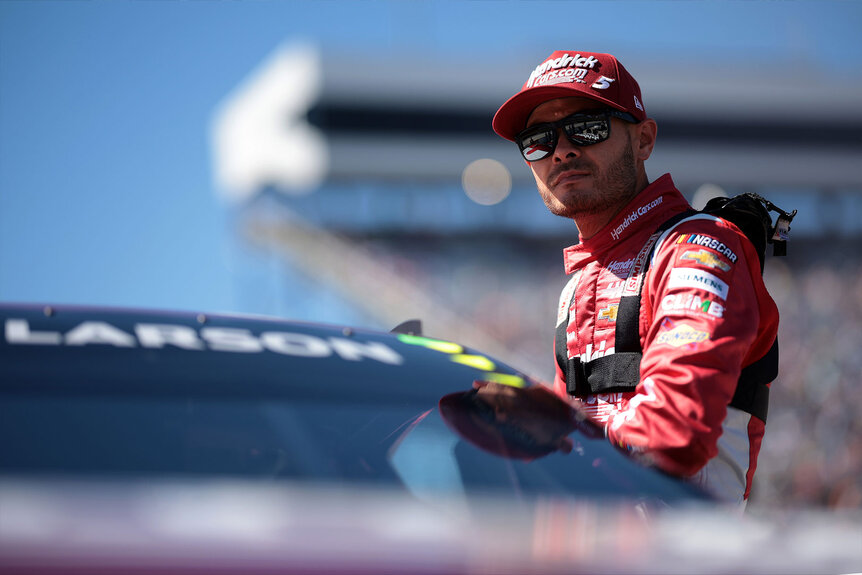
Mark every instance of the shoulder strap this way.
pixel 619 371
pixel 752 390
pixel 627 334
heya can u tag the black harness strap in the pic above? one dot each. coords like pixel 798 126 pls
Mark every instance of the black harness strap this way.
pixel 752 390
pixel 627 334
pixel 612 373
pixel 571 367
pixel 620 371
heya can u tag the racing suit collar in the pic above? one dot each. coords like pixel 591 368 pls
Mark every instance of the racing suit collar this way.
pixel 652 206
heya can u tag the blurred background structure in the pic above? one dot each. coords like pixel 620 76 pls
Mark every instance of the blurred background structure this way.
pixel 334 161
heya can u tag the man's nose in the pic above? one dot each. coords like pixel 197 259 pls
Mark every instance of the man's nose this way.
pixel 565 148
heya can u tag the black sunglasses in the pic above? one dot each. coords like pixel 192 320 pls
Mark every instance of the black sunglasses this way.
pixel 582 129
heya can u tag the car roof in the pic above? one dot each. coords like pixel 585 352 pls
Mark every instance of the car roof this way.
pixel 115 350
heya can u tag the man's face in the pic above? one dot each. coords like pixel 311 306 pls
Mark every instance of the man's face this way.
pixel 580 180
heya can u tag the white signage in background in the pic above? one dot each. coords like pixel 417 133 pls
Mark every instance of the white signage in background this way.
pixel 260 137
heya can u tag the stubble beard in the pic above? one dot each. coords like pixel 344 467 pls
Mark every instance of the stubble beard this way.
pixel 612 188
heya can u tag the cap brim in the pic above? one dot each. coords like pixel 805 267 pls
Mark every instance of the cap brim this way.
pixel 512 116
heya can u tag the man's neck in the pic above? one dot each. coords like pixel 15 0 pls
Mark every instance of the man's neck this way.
pixel 590 224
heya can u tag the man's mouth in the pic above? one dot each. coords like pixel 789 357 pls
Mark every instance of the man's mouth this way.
pixel 569 176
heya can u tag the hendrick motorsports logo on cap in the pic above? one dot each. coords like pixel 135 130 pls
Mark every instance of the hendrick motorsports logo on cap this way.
pixel 563 74
pixel 563 69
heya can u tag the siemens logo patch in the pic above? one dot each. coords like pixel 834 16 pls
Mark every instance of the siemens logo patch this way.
pixel 691 278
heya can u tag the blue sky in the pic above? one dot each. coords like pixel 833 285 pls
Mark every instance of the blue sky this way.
pixel 106 188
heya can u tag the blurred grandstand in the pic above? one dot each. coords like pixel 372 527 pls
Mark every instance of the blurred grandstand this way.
pixel 375 191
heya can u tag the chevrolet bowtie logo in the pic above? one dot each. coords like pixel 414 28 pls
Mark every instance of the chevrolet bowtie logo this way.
pixel 609 313
pixel 706 258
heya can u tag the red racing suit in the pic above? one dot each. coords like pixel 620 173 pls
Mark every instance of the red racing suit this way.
pixel 704 315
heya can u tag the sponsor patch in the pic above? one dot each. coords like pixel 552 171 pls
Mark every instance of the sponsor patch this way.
pixel 708 242
pixel 692 278
pixel 681 335
pixel 609 313
pixel 691 302
pixel 620 268
pixel 705 258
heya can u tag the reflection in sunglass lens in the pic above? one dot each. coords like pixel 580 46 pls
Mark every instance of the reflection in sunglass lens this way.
pixel 586 132
pixel 539 142
pixel 538 145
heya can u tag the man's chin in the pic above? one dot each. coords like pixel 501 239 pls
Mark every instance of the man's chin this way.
pixel 564 212
pixel 558 209
pixel 570 210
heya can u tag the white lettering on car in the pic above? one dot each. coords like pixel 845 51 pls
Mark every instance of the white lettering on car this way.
pixel 159 335
pixel 18 331
pixel 352 350
pixel 298 344
pixel 231 339
pixel 90 332
pixel 222 339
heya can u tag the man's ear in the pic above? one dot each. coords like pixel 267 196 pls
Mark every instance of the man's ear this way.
pixel 645 139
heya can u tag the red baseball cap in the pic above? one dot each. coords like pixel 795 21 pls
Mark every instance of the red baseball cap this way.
pixel 566 74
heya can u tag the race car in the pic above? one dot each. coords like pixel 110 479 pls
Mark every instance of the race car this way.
pixel 165 442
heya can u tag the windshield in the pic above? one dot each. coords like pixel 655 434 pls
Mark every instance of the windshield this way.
pixel 402 445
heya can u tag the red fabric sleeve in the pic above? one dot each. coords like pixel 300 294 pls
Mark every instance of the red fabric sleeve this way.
pixel 705 314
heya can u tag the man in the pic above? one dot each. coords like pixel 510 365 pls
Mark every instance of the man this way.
pixel 667 383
